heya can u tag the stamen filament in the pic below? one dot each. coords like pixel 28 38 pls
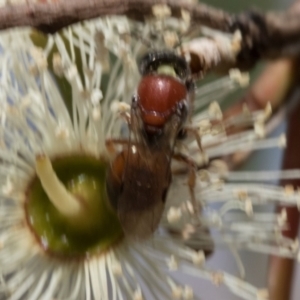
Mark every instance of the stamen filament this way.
pixel 64 201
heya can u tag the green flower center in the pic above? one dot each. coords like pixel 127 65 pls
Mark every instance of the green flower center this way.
pixel 96 231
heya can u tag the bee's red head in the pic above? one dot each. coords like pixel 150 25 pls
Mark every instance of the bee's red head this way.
pixel 158 98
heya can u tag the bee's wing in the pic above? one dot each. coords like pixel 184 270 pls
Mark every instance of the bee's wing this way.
pixel 146 179
pixel 145 184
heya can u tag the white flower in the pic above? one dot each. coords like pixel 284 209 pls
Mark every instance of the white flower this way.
pixel 35 121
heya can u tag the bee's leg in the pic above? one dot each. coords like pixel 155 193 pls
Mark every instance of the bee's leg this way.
pixel 199 238
pixel 192 169
pixel 110 145
pixel 195 133
pixel 191 185
pixel 122 110
pixel 126 116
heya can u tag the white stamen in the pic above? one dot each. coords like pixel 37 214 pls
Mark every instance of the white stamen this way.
pixel 117 269
pixel 289 189
pixel 96 96
pixel 119 107
pixel 204 127
pixel 102 53
pixel 242 79
pixel 174 214
pixel 186 16
pixel 62 132
pixel 295 245
pixel 161 11
pixel 282 141
pixel 262 294
pixel 188 293
pixel 268 111
pixel 215 111
pixel 204 176
pixel 259 130
pixel 177 292
pixel 57 64
pixel 219 166
pixel 217 278
pixel 64 201
pixel 198 258
pixel 265 176
pixel 187 231
pixel 96 113
pixel 39 58
pixel 137 295
pixel 204 47
pixel 249 207
pixel 236 42
pixel 170 38
pixel 242 195
pixel 282 218
pixel 71 72
pixel 172 263
pixel 7 187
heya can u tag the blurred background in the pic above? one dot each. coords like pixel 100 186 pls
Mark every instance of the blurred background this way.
pixel 256 265
pixel 240 5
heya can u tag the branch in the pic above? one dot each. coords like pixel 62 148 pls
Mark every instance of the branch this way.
pixel 50 17
pixel 269 35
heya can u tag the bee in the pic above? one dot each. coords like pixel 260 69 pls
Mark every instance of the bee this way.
pixel 138 180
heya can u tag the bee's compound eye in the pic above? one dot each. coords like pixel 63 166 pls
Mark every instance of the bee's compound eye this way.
pixel 158 97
